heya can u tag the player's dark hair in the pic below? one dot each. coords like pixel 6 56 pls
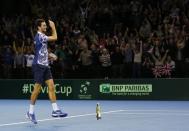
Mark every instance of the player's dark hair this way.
pixel 38 22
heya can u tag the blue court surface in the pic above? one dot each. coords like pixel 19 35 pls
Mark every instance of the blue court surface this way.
pixel 116 116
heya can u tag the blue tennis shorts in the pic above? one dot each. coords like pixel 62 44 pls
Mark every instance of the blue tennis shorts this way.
pixel 41 73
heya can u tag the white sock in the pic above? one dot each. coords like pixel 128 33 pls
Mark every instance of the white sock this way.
pixel 55 107
pixel 31 109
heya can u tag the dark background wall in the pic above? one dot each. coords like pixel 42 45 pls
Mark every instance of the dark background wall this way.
pixel 10 7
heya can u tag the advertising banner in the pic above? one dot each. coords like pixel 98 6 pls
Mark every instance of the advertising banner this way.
pixel 82 89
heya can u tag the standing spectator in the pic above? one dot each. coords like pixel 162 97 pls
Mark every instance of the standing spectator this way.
pixel 7 58
pixel 86 62
pixel 19 61
pixel 105 63
pixel 61 59
pixel 68 62
pixel 95 61
pixel 160 60
pixel 147 67
pixel 127 61
pixel 159 63
pixel 145 29
pixel 171 62
pixel 137 61
pixel 117 62
pixel 29 57
pixel 180 44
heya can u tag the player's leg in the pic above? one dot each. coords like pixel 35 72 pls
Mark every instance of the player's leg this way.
pixel 51 90
pixel 38 77
pixel 52 96
pixel 35 93
pixel 33 98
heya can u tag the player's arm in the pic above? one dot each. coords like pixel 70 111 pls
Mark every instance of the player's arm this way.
pixel 14 47
pixel 52 57
pixel 53 37
pixel 22 49
pixel 165 56
pixel 153 57
pixel 141 47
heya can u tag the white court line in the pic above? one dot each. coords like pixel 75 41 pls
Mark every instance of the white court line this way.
pixel 52 119
pixel 172 114
pixel 173 111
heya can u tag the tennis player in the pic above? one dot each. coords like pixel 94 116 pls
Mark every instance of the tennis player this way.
pixel 41 70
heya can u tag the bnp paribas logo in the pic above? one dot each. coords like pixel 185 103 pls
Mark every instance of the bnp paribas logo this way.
pixel 105 88
pixel 125 88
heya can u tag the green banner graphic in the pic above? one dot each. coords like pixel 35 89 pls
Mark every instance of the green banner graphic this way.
pixel 88 89
pixel 126 90
pixel 59 89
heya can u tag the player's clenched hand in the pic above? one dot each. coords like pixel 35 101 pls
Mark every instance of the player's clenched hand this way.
pixel 51 24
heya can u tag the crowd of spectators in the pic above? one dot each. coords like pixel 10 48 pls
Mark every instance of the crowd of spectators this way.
pixel 100 39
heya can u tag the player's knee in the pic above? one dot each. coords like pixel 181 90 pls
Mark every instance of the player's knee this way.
pixel 37 91
pixel 37 88
pixel 51 88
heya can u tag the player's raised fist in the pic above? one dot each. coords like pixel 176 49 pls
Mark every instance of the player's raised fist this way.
pixel 51 24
